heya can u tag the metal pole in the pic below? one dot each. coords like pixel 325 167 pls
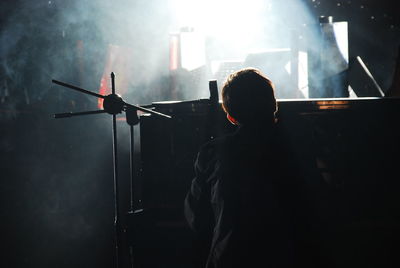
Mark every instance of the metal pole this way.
pixel 116 201
pixel 132 165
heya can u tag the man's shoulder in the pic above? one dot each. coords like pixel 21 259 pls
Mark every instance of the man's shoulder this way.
pixel 210 150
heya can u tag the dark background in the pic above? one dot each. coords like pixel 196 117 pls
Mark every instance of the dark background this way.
pixel 56 188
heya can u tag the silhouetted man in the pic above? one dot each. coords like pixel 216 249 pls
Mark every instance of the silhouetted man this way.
pixel 241 201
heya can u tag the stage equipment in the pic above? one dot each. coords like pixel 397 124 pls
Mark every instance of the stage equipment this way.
pixel 286 67
pixel 346 147
pixel 329 60
pixel 187 65
pixel 361 80
pixel 114 104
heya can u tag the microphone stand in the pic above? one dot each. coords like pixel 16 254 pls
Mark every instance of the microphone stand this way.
pixel 113 104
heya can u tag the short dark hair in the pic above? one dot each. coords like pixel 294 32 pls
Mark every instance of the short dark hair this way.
pixel 248 95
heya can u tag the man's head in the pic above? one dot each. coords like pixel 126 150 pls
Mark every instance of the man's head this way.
pixel 248 97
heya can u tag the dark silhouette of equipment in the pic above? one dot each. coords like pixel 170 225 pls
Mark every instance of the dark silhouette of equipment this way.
pixel 345 149
pixel 113 104
pixel 362 81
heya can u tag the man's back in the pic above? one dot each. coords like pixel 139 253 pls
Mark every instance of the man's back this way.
pixel 245 192
pixel 251 193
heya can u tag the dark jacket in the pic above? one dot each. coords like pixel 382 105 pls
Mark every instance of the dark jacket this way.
pixel 242 201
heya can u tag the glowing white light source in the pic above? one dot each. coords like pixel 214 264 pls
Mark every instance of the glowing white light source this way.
pixel 235 29
pixel 192 50
pixel 220 16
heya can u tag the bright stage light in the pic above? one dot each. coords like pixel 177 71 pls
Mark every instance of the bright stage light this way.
pixel 216 17
pixel 243 26
pixel 257 29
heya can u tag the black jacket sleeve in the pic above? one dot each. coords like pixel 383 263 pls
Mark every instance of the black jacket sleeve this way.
pixel 197 207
